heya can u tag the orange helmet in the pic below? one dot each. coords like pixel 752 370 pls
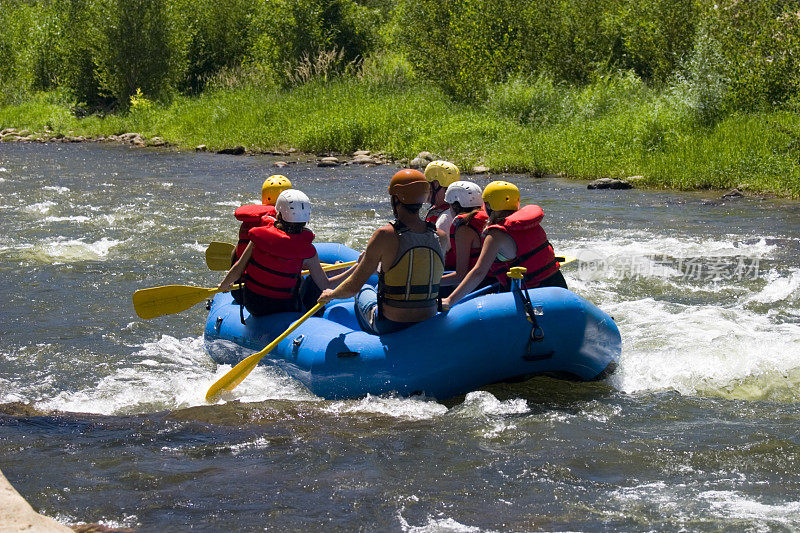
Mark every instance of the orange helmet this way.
pixel 410 186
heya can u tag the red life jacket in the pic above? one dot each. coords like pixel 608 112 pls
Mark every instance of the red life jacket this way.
pixel 477 223
pixel 250 215
pixel 435 212
pixel 534 252
pixel 274 268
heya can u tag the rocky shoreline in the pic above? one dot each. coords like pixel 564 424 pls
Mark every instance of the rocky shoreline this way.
pixel 359 157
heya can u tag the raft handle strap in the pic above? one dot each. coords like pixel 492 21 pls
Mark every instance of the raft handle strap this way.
pixel 241 299
pixel 537 334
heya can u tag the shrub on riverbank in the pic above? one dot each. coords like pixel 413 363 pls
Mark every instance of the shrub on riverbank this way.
pixel 103 50
pixel 687 93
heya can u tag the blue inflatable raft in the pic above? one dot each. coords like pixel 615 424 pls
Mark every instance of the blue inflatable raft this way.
pixel 482 340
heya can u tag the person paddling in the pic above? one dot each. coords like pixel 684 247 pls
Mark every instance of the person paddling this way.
pixel 440 175
pixel 465 232
pixel 250 215
pixel 408 256
pixel 276 253
pixel 513 237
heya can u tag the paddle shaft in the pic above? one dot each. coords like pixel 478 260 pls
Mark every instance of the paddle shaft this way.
pixel 237 374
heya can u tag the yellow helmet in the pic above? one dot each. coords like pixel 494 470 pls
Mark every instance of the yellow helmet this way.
pixel 501 196
pixel 273 186
pixel 444 172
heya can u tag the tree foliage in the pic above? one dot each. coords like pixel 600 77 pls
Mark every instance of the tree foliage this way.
pixel 722 54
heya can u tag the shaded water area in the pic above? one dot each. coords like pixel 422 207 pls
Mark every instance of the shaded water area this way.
pixel 102 417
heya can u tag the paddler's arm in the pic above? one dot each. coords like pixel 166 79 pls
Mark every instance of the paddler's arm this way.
pixel 444 240
pixel 367 265
pixel 463 242
pixel 335 281
pixel 488 254
pixel 237 269
pixel 315 271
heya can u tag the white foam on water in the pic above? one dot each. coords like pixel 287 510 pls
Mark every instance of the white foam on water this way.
pixel 714 349
pixel 643 243
pixel 406 408
pixel 196 246
pixel 127 522
pixel 63 249
pixel 485 404
pixel 708 264
pixel 142 387
pixel 263 383
pixel 437 525
pixel 59 190
pixel 779 288
pixel 497 429
pixel 9 391
pixel 683 505
pixel 229 203
pixel 78 218
pixel 731 504
pixel 170 373
pixel 40 208
pixel 703 349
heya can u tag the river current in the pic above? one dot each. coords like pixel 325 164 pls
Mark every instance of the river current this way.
pixel 102 416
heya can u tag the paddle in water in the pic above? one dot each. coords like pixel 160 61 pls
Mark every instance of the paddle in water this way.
pixel 237 374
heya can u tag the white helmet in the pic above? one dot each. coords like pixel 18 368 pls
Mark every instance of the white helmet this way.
pixel 466 193
pixel 293 206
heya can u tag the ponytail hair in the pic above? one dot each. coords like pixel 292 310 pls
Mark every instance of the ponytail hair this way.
pixel 471 211
pixel 498 217
pixel 292 228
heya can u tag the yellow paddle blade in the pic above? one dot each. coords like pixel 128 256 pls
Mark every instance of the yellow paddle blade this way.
pixel 168 300
pixel 565 259
pixel 218 255
pixel 237 374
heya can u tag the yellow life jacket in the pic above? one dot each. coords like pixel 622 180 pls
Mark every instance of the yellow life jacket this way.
pixel 413 279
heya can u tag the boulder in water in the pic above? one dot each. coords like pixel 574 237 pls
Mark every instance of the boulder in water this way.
pixel 236 150
pixel 364 160
pixel 733 193
pixel 418 163
pixel 609 183
pixel 17 515
pixel 329 161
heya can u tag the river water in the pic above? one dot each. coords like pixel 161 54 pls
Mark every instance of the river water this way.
pixel 102 417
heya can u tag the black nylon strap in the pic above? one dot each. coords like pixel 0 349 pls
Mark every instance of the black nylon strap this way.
pixel 535 273
pixel 415 289
pixel 249 279
pixel 527 255
pixel 271 271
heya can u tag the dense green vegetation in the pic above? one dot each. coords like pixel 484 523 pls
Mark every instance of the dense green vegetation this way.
pixel 687 93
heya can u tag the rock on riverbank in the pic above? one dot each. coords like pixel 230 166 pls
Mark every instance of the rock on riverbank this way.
pixel 17 515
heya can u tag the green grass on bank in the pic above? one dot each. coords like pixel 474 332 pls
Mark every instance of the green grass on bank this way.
pixel 612 128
